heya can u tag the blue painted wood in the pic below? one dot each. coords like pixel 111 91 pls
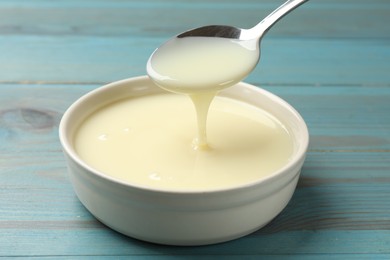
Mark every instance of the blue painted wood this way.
pixel 329 59
pixel 80 59
pixel 338 190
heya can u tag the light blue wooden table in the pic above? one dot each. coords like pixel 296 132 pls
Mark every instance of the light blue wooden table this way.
pixel 330 59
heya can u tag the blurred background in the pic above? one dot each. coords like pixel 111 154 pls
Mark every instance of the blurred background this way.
pixel 98 41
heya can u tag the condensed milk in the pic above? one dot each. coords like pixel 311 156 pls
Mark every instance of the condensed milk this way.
pixel 147 141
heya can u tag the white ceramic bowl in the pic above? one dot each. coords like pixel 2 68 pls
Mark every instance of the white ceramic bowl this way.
pixel 182 218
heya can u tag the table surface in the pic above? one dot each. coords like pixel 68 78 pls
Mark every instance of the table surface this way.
pixel 330 59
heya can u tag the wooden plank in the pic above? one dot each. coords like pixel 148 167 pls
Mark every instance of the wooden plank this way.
pixel 78 59
pixel 104 242
pixel 100 41
pixel 330 112
pixel 340 116
pixel 338 194
pixel 165 18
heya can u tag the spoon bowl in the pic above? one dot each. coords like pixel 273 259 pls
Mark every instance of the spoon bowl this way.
pixel 211 58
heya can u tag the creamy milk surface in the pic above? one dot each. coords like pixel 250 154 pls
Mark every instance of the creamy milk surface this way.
pixel 147 141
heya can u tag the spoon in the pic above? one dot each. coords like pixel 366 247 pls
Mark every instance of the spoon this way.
pixel 202 61
pixel 256 32
pixel 212 57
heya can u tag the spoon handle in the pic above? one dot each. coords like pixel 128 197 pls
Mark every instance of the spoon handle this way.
pixel 261 28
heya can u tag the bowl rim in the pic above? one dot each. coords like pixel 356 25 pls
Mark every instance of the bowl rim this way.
pixel 68 149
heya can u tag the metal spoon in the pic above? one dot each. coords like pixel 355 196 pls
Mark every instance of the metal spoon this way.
pixel 165 65
pixel 256 32
pixel 164 74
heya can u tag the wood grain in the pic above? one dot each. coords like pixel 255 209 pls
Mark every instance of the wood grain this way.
pixel 329 59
